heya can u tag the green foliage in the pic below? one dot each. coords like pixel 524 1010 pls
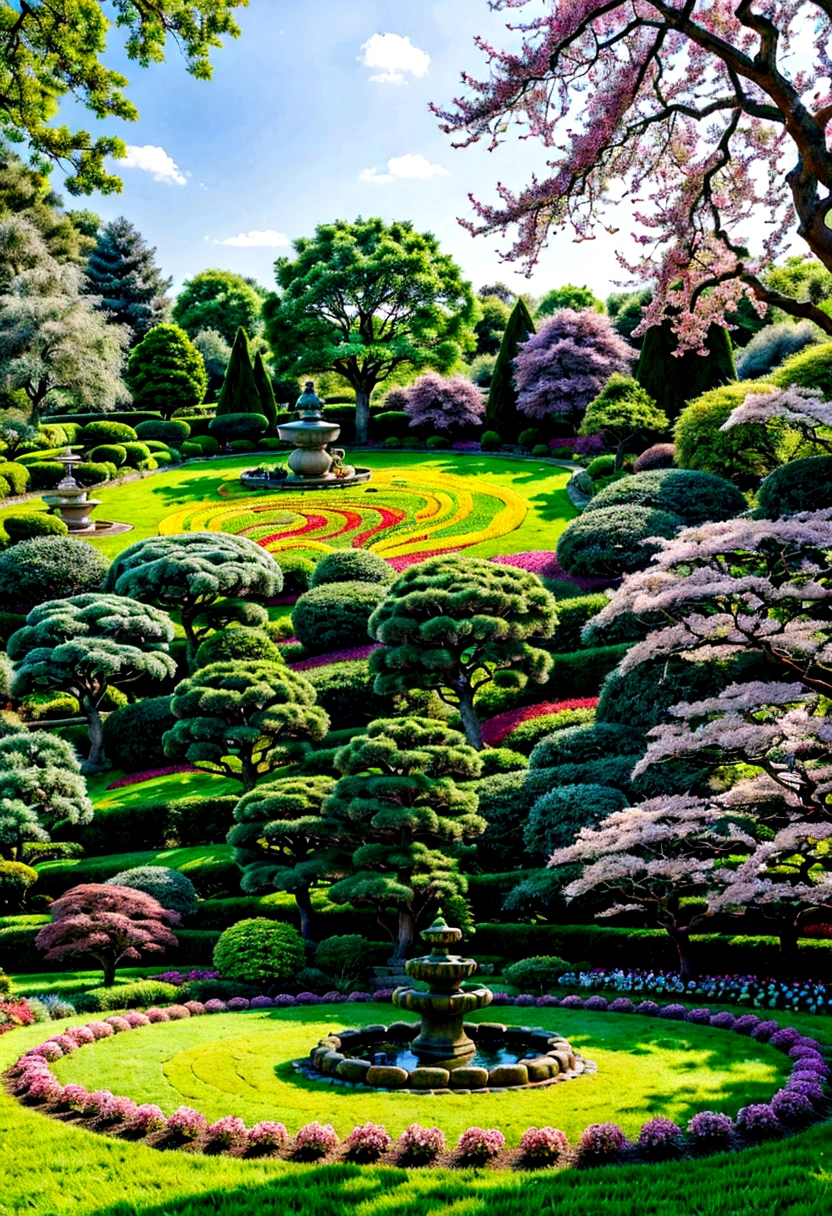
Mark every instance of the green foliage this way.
pixel 622 411
pixel 538 974
pixel 745 453
pixel 17 476
pixel 694 497
pixel 502 760
pixel 505 801
pixel 584 744
pixel 324 318
pixel 810 368
pixel 352 565
pixel 259 951
pixel 529 437
pixel 524 737
pixel 172 432
pixel 233 428
pixel 133 735
pixel 239 393
pixel 122 272
pixel 93 473
pixel 218 300
pixel 106 431
pixel 49 567
pixel 601 466
pixel 15 881
pixel 140 994
pixel 170 888
pixel 557 817
pixel 345 690
pixel 582 673
pixel 32 524
pixel 231 645
pixel 540 449
pixel 346 958
pixel 579 299
pixel 111 453
pixel 494 314
pixel 40 786
pixel 772 345
pixel 202 819
pixel 800 485
pixel 45 474
pixel 165 372
pixel 490 441
pixel 265 391
pixel 572 616
pixel 615 540
pixel 389 424
pixel 336 615
pixel 297 571
pixel 501 411
pixel 625 309
pixel 673 380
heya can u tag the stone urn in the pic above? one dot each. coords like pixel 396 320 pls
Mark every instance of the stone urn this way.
pixel 310 434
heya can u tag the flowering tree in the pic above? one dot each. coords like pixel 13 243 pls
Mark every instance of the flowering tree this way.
pixel 110 923
pixel 694 106
pixel 567 362
pixel 800 413
pixel 444 402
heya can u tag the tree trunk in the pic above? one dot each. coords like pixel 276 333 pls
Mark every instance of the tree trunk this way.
pixel 304 902
pixel 404 940
pixel 187 619
pixel 788 936
pixel 248 773
pixel 362 415
pixel 470 721
pixel 94 762
pixel 621 452
pixel 681 940
pixel 108 966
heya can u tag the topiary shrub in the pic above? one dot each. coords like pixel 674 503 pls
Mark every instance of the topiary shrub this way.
pixel 810 368
pixel 130 996
pixel 45 474
pixel 345 691
pixel 541 449
pixel 15 880
pixel 189 448
pixel 26 527
pixel 242 445
pixel 133 735
pixel 335 615
pixel 490 441
pixel 259 951
pixel 601 466
pixel 529 438
pixel 347 958
pixel 201 819
pixel 614 541
pixel 171 888
pixel 253 645
pixel 391 442
pixel 17 476
pixel 389 424
pixel 352 565
pixel 110 453
pixel 105 431
pixel 537 974
pixel 239 426
pixel 136 455
pixel 207 444
pixel 525 737
pixel 49 568
pixel 437 442
pixel 94 472
pixel 557 817
pixel 693 497
pixel 502 760
pixel 800 485
pixel 583 744
pixel 297 569
pixel 743 454
pixel 659 456
pixel 173 432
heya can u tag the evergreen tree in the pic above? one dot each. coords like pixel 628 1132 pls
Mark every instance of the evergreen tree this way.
pixel 268 405
pixel 501 413
pixel 672 381
pixel 122 272
pixel 239 393
pixel 40 786
pixel 165 372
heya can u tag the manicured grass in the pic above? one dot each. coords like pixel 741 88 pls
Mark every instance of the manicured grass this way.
pixel 158 789
pixel 60 983
pixel 99 869
pixel 55 1169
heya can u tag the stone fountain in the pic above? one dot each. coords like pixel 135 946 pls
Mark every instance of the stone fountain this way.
pixel 314 465
pixel 442 1052
pixel 69 500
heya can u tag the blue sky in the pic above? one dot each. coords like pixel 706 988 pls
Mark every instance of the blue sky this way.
pixel 297 128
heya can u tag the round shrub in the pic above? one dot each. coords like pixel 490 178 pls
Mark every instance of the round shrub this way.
pixel 44 474
pixel 367 1142
pixel 771 345
pixel 17 475
pixel 420 1144
pixel 259 951
pixel 555 819
pixel 529 438
pixel 437 442
pixel 93 472
pixel 133 735
pixel 537 974
pixel 800 485
pixel 758 1122
pixel 242 445
pixel 544 1145
pixel 711 1130
pixel 267 1134
pixel 173 432
pixel 187 1123
pixel 581 744
pixel 502 760
pixel 809 368
pixel 345 957
pixel 601 1142
pixel 315 1140
pixel 541 449
pixel 792 1108
pixel 479 1145
pixel 49 568
pixel 659 456
pixel 207 444
pixel 113 453
pixel 238 426
pixel 172 889
pixel 251 645
pixel 105 431
pixel 743 454
pixel 660 1138
pixel 490 441
pixel 694 497
pixel 15 880
pixel 298 569
pixel 335 615
pixel 190 449
pixel 5 488
pixel 136 455
pixel 389 424
pixel 346 691
pixel 391 442
pixel 36 523
pixel 601 466
pixel 614 541
pixel 352 565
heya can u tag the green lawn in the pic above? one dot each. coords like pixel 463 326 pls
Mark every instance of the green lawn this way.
pixel 99 869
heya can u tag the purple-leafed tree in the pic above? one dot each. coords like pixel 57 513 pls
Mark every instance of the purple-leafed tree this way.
pixel 110 923
pixel 695 112
pixel 564 366
pixel 444 402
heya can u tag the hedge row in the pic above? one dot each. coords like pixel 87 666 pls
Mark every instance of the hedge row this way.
pixel 187 821
pixel 18 953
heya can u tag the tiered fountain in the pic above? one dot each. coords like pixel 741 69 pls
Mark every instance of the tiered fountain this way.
pixel 443 1053
pixel 69 500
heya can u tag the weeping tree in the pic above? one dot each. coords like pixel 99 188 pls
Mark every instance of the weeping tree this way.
pixel 400 810
pixel 40 786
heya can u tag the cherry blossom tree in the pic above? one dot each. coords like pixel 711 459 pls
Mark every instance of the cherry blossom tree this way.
pixel 696 116
pixel 562 367
pixel 110 923
pixel 444 402
pixel 799 414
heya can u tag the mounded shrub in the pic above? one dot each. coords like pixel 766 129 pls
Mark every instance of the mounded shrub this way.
pixel 525 736
pixel 133 735
pixel 601 466
pixel 334 616
pixel 32 524
pixel 541 449
pixel 190 448
pixel 49 568
pixel 389 424
pixel 502 760
pixel 242 445
pixel 800 485
pixel 615 540
pixel 109 453
pixel 105 431
pixel 772 345
pixel 201 819
pixel 206 444
pixel 298 569
pixel 352 565
pixel 743 454
pixel 253 645
pixel 581 744
pixel 259 951
pixel 438 442
pixel 171 888
pixel 345 691
pixel 659 456
pixel 572 616
pixel 172 432
pixel 530 437
pixel 490 441
pixel 556 818
pixel 94 472
pixel 136 454
pixel 238 426
pixel 581 674
pixel 15 880
pixel 810 368
pixel 17 476
pixel 44 474
pixel 537 974
pixel 694 497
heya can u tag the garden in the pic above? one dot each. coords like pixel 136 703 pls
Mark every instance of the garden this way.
pixel 414 700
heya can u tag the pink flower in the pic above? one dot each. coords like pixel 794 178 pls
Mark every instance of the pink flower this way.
pixel 419 1144
pixel 660 1137
pixel 187 1123
pixel 367 1142
pixel 215 1006
pixel 148 1118
pixel 75 1097
pixel 227 1132
pixel 81 1034
pixel 100 1104
pixel 101 1030
pixel 157 1015
pixel 151 774
pixel 135 1018
pixel 479 1145
pixel 195 1008
pixel 119 1025
pixel 544 1145
pixel 601 1141
pixel 315 1140
pixel 177 1013
pixel 267 1135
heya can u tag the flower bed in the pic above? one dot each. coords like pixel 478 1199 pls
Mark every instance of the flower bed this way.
pixel 544 563
pixel 336 656
pixel 495 729
pixel 810 996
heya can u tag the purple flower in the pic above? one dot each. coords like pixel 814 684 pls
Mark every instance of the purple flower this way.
pixel 723 1021
pixel 215 1006
pixel 711 1129
pixel 284 1001
pixel 124 1109
pixel 100 1103
pixel 75 1097
pixel 547 1001
pixel 745 1024
pixel 804 1048
pixel 525 998
pixel 48 1050
pixel 238 1003
pixel 786 1038
pixel 307 998
pixel 698 1017
pixel 479 1144
pixel 261 1002
pixel 792 1107
pixel 809 1089
pixel 675 1013
pixel 333 998
pixel 148 1118
pixel 571 1002
pixel 44 1087
pixel 758 1122
pixel 66 1044
pixel 360 997
pixel 383 994
pixel 597 1004
pixel 544 1145
pixel 601 1142
pixel 622 1004
pixel 764 1030
pixel 648 1008
pixel 660 1137
pixel 82 1034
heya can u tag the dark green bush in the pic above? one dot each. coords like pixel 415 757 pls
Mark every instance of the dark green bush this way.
pixel 345 691
pixel 10 622
pixel 352 565
pixel 123 829
pixel 556 818
pixel 572 616
pixel 48 568
pixel 190 448
pixel 389 424
pixel 529 438
pixel 579 744
pixel 541 449
pixel 335 616
pixel 391 442
pixel 800 485
pixel 536 974
pixel 694 497
pixel 45 474
pixel 130 996
pixel 17 475
pixel 259 951
pixel 297 571
pixel 253 645
pixel 133 735
pixel 238 426
pixel 207 444
pixel 641 697
pixel 346 958
pixel 201 819
pixel 109 453
pixel 581 674
pixel 173 890
pixel 524 737
pixel 171 433
pixel 810 368
pixel 216 990
pixel 137 455
pixel 105 431
pixel 601 466
pixel 505 801
pixel 438 442
pixel 241 445
pixel 93 472
pixel 614 541
pixel 490 441
pixel 35 523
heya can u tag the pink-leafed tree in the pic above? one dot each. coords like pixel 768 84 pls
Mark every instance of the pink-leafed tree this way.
pixel 564 366
pixel 112 924
pixel 444 402
pixel 702 117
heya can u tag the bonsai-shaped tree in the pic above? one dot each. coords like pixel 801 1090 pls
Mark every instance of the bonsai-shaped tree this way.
pixel 88 644
pixel 166 372
pixel 451 622
pixel 40 785
pixel 621 411
pixel 112 924
pixel 399 807
pixel 444 402
pixel 282 839
pixel 501 408
pixel 241 718
pixel 566 363
pixel 239 394
pixel 207 576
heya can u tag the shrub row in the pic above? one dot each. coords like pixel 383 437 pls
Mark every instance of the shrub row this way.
pixel 19 954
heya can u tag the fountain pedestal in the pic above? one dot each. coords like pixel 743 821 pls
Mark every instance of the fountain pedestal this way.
pixel 313 465
pixel 69 501
pixel 442 1039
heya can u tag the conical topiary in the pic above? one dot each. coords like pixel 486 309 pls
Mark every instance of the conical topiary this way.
pixel 268 405
pixel 673 381
pixel 501 412
pixel 239 394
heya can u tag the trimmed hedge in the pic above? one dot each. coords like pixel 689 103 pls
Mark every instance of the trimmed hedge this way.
pixel 572 616
pixel 810 368
pixel 582 674
pixel 34 523
pixel 389 424
pixel 112 453
pixel 350 566
pixel 137 454
pixel 45 474
pixel 105 431
pixel 94 472
pixel 335 615
pixel 614 541
pixel 694 497
pixel 345 691
pixel 17 475
pixel 49 567
pixel 171 432
pixel 579 744
pixel 800 485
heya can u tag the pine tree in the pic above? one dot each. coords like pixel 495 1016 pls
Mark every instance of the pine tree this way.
pixel 268 405
pixel 673 381
pixel 239 394
pixel 122 271
pixel 501 410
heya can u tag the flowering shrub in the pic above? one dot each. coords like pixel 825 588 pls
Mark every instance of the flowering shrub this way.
pixel 547 1000
pixel 237 1004
pixel 227 1132
pixel 100 1104
pixel 119 1025
pixel 571 1002
pixel 383 994
pixel 315 1140
pixel 215 1006
pixel 786 1038
pixel 81 1035
pixel 809 995
pixel 812 1090
pixel 723 1021
pixel 597 1003
pixel 601 1142
pixel 648 1009
pixel 178 978
pixel 360 997
pixel 479 1145
pixel 621 1004
pixel 177 1013
pixel 284 1001
pixel 745 1024
pixel 698 1017
pixel 660 1137
pixel 711 1130
pixel 792 1107
pixel 124 1109
pixel 47 1051
pixel 101 1030
pixel 195 1008
pixel 187 1123
pixel 306 998
pixel 367 1142
pixel 419 1144
pixel 267 1135
pixel 261 1002
pixel 43 1087
pixel 157 1015
pixel 148 1118
pixel 673 1012
pixel 15 1013
pixel 758 1122
pixel 543 1145
pixel 763 1031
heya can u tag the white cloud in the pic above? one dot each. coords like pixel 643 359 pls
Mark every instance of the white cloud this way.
pixel 395 55
pixel 267 238
pixel 151 159
pixel 411 165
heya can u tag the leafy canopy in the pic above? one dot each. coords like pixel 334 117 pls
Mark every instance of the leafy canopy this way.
pixel 218 300
pixel 622 410
pixel 40 785
pixel 166 372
